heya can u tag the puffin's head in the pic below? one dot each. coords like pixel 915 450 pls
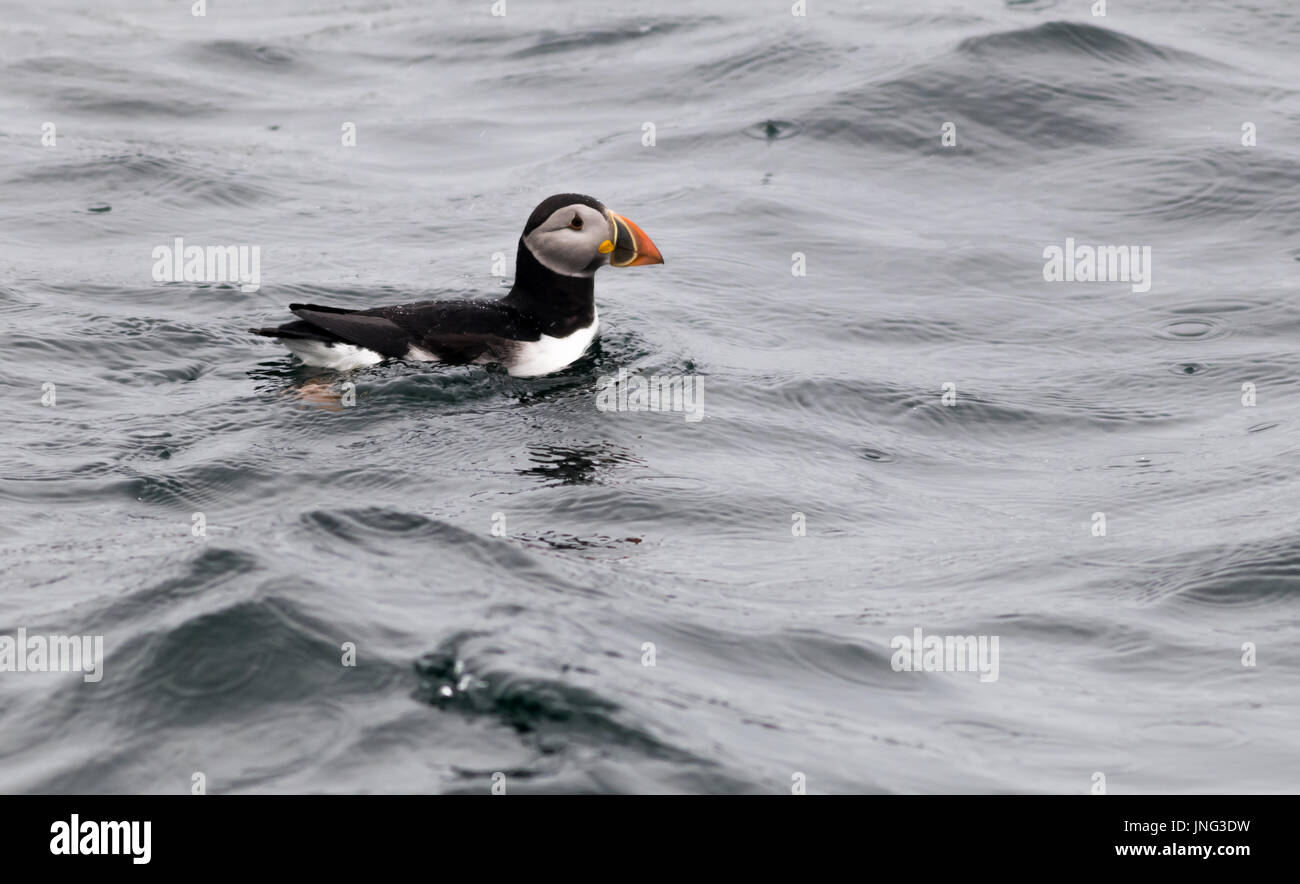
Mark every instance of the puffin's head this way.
pixel 572 235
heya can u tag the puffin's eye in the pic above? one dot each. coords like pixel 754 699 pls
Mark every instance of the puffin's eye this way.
pixel 576 223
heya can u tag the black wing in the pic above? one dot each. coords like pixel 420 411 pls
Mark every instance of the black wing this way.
pixel 454 331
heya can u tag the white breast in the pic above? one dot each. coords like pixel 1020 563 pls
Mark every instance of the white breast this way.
pixel 535 358
pixel 340 357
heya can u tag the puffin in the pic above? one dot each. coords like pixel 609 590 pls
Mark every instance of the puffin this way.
pixel 543 324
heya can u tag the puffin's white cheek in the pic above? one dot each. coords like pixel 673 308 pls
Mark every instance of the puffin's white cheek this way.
pixel 563 251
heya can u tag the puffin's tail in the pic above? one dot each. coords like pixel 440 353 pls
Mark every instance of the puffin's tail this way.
pixel 299 330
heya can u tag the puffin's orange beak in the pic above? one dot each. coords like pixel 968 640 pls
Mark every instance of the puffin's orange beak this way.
pixel 630 247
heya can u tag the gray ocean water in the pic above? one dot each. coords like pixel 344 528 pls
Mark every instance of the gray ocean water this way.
pixel 633 537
